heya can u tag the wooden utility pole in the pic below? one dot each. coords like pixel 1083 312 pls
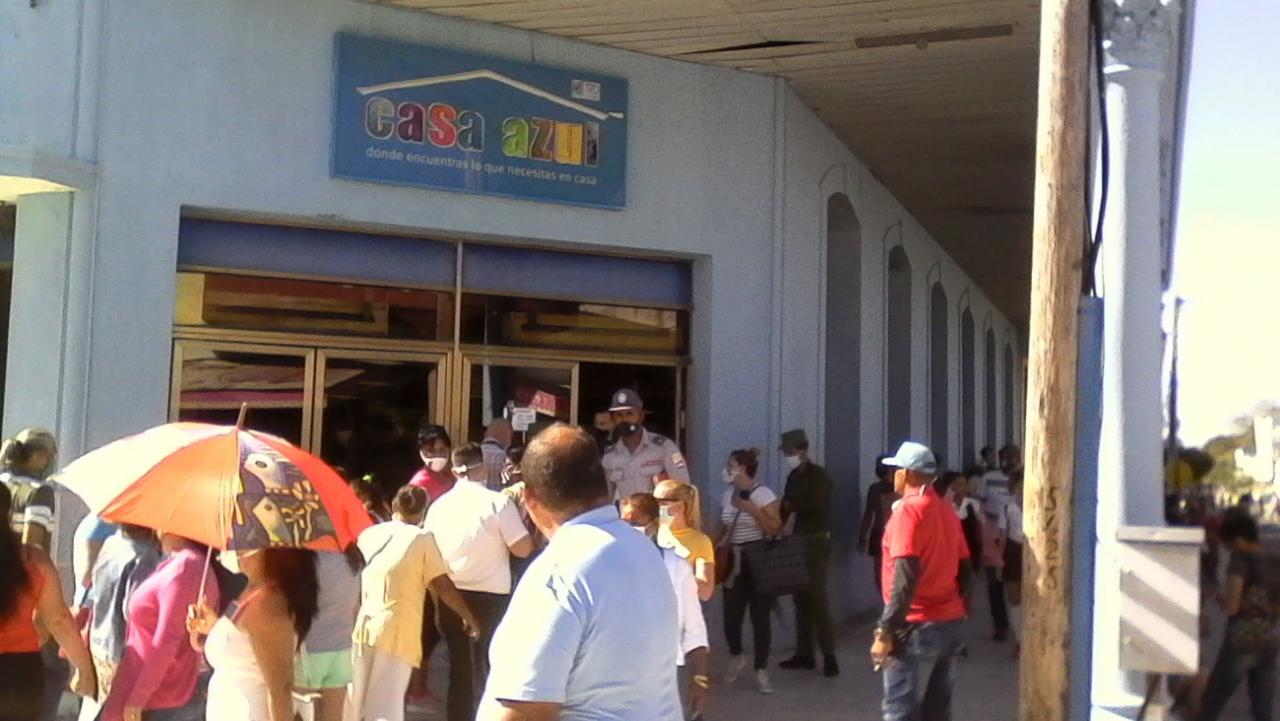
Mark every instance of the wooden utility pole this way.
pixel 1058 251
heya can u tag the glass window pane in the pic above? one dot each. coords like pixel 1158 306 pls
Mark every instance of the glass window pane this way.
pixel 215 382
pixel 656 385
pixel 495 388
pixel 534 323
pixel 371 411
pixel 244 302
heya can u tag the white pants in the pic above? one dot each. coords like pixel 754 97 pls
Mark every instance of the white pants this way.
pixel 378 684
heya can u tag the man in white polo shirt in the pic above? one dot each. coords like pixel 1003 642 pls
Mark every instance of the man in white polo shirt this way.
pixel 590 633
pixel 478 531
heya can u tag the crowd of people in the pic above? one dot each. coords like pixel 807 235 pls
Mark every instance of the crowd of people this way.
pixel 536 566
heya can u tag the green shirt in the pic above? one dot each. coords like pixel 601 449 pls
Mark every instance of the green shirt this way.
pixel 808 498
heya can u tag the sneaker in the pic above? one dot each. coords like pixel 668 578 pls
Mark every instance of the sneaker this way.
pixel 736 664
pixel 799 663
pixel 762 682
pixel 830 668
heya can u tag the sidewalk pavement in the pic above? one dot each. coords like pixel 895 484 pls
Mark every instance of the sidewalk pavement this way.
pixel 986 687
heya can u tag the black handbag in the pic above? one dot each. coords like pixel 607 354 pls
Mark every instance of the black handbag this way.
pixel 778 566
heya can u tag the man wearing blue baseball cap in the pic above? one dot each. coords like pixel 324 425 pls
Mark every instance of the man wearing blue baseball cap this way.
pixel 636 457
pixel 925 578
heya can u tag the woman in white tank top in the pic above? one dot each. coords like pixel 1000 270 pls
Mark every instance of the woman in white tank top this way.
pixel 251 648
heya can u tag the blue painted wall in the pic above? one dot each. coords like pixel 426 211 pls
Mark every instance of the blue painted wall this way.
pixel 224 105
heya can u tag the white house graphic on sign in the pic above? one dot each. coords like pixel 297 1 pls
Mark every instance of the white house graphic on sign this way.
pixel 489 75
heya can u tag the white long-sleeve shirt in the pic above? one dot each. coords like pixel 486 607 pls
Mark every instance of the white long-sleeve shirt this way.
pixel 693 626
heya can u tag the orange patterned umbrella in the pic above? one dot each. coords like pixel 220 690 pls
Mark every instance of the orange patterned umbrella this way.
pixel 223 486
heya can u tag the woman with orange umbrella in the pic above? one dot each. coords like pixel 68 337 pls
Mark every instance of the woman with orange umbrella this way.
pixel 268 503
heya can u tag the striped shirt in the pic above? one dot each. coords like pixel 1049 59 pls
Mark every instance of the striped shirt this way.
pixel 745 529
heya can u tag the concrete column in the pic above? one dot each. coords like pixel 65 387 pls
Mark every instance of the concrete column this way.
pixel 1138 36
pixel 46 368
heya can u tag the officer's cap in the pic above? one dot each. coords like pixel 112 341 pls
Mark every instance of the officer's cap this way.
pixel 626 400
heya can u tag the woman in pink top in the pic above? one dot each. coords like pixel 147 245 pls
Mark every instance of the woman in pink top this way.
pixel 157 675
pixel 435 476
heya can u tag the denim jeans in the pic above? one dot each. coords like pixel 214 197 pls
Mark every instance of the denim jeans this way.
pixel 1229 670
pixel 917 677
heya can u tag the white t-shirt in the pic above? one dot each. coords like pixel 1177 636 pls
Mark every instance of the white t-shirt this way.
pixel 591 628
pixel 1013 522
pixel 747 529
pixel 474 528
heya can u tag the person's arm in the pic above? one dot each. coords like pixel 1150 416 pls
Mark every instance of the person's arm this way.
pixel 1233 594
pixel 270 629
pixel 704 572
pixel 52 610
pixel 693 640
pixel 767 517
pixel 38 518
pixel 170 634
pixel 698 661
pixel 442 586
pixel 514 533
pixel 521 711
pixel 906 574
pixel 675 465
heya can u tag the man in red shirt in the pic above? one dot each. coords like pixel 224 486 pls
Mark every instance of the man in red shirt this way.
pixel 925 577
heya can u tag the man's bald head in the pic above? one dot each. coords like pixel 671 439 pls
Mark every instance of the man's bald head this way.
pixel 499 430
pixel 561 467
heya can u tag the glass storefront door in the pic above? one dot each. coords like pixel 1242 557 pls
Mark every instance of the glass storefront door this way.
pixel 369 406
pixel 358 410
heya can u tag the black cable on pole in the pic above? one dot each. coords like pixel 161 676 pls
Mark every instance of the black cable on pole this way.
pixel 1090 274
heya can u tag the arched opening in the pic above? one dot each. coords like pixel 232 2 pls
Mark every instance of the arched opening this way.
pixel 898 337
pixel 1010 422
pixel 843 358
pixel 989 411
pixel 939 370
pixel 968 388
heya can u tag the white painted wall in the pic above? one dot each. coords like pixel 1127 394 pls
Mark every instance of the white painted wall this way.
pixel 224 105
pixel 817 166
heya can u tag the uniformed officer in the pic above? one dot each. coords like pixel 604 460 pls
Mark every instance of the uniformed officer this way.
pixel 636 456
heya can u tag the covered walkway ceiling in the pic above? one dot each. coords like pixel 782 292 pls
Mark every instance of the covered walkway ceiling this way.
pixel 937 97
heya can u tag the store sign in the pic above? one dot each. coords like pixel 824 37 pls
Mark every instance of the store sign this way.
pixel 439 118
pixel 522 419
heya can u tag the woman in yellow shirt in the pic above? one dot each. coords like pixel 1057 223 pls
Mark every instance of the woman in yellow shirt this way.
pixel 681 515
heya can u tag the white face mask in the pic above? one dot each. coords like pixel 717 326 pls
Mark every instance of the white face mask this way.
pixel 436 464
pixel 728 476
pixel 793 462
pixel 664 514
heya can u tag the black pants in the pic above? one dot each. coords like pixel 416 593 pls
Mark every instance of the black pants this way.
pixel 877 570
pixel 813 609
pixel 57 674
pixel 995 595
pixel 22 685
pixel 468 659
pixel 736 602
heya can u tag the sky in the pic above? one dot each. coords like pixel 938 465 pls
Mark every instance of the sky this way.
pixel 1227 245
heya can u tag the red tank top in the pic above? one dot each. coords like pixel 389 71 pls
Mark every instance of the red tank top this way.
pixel 18 629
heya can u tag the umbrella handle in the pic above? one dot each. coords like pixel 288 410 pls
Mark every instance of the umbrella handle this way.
pixel 204 575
